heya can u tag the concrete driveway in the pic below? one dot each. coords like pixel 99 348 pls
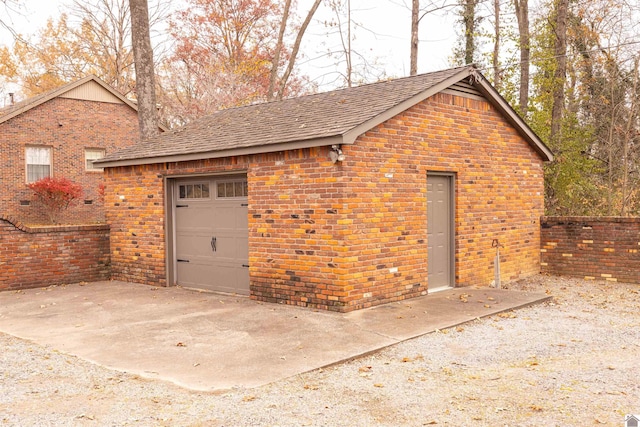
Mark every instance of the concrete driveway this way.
pixel 205 341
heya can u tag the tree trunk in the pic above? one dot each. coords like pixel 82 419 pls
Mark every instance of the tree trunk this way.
pixel 627 141
pixel 560 52
pixel 495 58
pixel 522 15
pixel 145 74
pixel 273 77
pixel 415 12
pixel 296 48
pixel 349 64
pixel 469 20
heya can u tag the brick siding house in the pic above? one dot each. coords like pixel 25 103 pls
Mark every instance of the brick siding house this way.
pixel 60 133
pixel 340 200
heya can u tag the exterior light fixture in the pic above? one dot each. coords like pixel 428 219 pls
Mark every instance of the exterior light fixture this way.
pixel 336 154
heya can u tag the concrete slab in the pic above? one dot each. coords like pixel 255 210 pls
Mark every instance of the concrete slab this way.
pixel 205 341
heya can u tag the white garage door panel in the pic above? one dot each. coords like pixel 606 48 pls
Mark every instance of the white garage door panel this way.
pixel 221 265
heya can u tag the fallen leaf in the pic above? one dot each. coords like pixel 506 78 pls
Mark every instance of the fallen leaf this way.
pixel 89 417
pixel 491 299
pixel 310 387
pixel 535 408
pixel 248 398
pixel 379 385
pixel 459 329
pixel 407 359
pixel 507 315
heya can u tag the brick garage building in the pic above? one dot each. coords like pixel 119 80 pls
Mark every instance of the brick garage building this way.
pixel 58 134
pixel 341 200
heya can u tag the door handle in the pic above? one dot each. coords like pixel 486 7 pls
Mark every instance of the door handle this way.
pixel 213 244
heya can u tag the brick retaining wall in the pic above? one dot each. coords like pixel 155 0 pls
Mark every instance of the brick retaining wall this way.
pixel 591 247
pixel 41 256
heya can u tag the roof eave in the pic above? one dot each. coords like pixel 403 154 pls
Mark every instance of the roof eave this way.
pixel 241 151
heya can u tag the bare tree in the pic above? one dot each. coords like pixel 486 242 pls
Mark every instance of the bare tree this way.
pixel 415 22
pixel 276 54
pixel 10 7
pixel 495 56
pixel 416 16
pixel 469 21
pixel 145 74
pixel 277 86
pixel 522 16
pixel 560 51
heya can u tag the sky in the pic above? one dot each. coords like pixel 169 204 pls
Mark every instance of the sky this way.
pixel 381 29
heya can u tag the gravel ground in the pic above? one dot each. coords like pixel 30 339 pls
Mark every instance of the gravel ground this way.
pixel 573 361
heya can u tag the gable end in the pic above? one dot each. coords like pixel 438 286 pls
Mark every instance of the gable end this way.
pixel 464 89
pixel 91 91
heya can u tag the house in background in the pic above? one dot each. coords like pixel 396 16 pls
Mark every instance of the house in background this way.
pixel 60 133
pixel 340 200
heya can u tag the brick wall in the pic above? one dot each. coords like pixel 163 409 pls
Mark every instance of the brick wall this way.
pixel 42 256
pixel 68 126
pixel 592 247
pixel 134 204
pixel 499 195
pixel 326 235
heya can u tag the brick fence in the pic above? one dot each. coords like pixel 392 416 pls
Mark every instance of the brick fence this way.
pixel 41 256
pixel 591 247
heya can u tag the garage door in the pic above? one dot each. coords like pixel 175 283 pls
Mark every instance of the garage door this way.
pixel 212 239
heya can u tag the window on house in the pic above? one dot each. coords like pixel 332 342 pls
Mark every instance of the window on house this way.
pixel 38 163
pixel 91 155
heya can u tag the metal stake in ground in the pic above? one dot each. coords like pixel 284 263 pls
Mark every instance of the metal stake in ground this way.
pixel 496 262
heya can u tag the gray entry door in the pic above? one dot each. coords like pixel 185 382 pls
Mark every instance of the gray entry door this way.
pixel 212 238
pixel 440 231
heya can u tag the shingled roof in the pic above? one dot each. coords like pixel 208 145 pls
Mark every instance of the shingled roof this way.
pixel 336 117
pixel 18 108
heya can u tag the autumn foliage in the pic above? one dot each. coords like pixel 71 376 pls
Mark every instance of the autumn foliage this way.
pixel 223 56
pixel 55 195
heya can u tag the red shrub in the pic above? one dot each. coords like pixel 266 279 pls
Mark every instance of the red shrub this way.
pixel 55 195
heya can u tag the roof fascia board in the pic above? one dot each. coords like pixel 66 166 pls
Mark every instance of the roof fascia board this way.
pixel 244 151
pixel 512 117
pixel 351 135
